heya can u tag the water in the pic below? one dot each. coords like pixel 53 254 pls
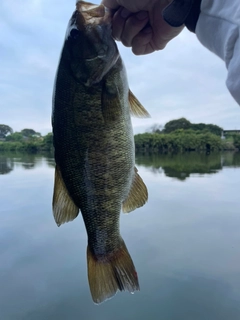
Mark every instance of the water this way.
pixel 184 243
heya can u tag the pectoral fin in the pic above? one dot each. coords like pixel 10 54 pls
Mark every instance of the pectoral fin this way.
pixel 136 108
pixel 137 196
pixel 64 209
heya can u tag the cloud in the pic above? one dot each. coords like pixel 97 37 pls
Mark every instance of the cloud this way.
pixel 183 80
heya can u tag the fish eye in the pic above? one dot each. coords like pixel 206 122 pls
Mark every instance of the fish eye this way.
pixel 74 33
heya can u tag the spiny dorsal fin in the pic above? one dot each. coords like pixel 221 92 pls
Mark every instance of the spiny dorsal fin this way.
pixel 137 196
pixel 64 209
pixel 136 108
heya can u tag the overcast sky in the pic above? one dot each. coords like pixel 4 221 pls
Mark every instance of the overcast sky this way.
pixel 183 80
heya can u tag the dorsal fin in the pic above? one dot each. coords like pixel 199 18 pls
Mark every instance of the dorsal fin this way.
pixel 136 108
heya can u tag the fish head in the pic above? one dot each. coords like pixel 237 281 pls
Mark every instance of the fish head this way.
pixel 92 50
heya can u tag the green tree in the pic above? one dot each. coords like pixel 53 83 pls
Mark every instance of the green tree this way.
pixel 16 136
pixel 178 141
pixel 48 141
pixel 5 130
pixel 214 129
pixel 28 133
pixel 236 141
pixel 198 126
pixel 173 125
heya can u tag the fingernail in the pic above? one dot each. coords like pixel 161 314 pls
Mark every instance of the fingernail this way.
pixel 125 13
pixel 142 15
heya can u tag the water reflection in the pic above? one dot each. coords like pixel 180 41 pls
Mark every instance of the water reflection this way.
pixel 6 165
pixel 184 243
pixel 231 159
pixel 27 160
pixel 181 166
pixel 9 161
pixel 50 161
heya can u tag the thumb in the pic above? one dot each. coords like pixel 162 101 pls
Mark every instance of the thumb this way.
pixel 111 4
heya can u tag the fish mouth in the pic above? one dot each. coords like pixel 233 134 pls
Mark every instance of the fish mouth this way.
pixel 93 9
pixel 92 12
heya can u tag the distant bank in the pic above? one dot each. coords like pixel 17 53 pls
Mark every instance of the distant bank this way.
pixel 178 135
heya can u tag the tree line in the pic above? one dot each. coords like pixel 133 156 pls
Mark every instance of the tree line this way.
pixel 181 135
pixel 178 135
pixel 180 166
pixel 184 124
pixel 25 140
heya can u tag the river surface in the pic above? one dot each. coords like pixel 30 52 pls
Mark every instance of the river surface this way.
pixel 185 243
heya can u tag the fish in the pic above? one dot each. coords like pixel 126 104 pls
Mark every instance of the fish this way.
pixel 94 148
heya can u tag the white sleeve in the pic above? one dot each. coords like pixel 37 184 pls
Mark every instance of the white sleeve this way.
pixel 218 29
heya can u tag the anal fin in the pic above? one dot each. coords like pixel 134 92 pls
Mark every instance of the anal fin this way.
pixel 137 196
pixel 136 108
pixel 64 209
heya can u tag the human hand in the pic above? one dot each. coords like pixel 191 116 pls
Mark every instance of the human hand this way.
pixel 139 24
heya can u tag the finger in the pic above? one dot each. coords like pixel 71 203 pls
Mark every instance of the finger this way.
pixel 118 23
pixel 112 4
pixel 165 33
pixel 133 6
pixel 133 26
pixel 142 43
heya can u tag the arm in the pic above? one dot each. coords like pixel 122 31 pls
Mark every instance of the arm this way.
pixel 223 18
pixel 217 26
pixel 148 25
pixel 139 24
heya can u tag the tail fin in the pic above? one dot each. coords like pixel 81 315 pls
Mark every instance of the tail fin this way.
pixel 108 276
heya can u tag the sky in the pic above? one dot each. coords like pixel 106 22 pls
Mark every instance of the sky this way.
pixel 183 80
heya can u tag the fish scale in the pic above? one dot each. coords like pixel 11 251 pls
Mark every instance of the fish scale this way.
pixel 94 147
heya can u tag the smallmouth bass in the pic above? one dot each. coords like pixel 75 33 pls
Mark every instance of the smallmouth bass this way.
pixel 94 147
